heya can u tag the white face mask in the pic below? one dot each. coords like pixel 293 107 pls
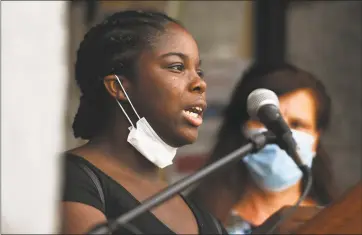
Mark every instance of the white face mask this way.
pixel 145 139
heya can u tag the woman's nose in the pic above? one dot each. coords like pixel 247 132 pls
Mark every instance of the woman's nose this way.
pixel 198 85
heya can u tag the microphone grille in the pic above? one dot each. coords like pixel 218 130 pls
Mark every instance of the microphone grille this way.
pixel 258 98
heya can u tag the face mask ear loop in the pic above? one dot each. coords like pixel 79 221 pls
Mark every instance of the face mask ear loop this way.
pixel 129 120
pixel 124 91
pixel 124 111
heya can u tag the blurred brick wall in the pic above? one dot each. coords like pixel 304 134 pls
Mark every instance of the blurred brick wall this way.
pixel 325 37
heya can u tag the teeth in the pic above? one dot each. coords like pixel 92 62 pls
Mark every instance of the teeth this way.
pixel 192 114
pixel 198 109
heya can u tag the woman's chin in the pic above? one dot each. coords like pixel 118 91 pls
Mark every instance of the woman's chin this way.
pixel 182 137
pixel 188 137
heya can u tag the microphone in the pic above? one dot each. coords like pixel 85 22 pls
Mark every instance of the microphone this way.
pixel 256 142
pixel 263 105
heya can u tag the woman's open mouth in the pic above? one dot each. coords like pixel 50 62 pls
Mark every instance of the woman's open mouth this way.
pixel 193 115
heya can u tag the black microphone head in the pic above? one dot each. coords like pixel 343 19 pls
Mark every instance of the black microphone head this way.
pixel 258 99
pixel 263 105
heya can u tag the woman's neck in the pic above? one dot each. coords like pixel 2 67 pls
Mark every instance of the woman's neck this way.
pixel 113 147
pixel 256 206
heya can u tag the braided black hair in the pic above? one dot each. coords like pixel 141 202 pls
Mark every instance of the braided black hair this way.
pixel 111 47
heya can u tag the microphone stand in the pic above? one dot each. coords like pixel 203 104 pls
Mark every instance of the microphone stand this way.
pixel 256 143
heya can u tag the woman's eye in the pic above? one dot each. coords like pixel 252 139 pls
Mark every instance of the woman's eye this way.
pixel 177 67
pixel 200 73
pixel 297 125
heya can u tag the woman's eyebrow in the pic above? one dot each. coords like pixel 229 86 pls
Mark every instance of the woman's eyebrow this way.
pixel 179 54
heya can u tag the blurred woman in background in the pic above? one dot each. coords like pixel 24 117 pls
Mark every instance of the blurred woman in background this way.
pixel 246 194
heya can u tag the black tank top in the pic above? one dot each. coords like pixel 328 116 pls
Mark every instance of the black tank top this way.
pixel 80 187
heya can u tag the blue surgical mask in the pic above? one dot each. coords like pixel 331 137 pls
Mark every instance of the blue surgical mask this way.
pixel 272 169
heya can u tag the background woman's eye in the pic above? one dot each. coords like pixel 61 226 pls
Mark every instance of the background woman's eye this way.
pixel 177 67
pixel 297 125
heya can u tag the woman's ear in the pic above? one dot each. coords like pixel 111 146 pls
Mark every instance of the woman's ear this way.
pixel 114 89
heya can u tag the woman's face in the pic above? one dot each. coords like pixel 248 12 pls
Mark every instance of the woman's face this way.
pixel 169 90
pixel 299 110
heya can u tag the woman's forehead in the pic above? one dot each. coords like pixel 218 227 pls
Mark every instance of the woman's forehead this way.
pixel 299 103
pixel 176 39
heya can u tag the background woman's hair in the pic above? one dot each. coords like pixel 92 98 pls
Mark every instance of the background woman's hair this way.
pixel 281 79
pixel 111 47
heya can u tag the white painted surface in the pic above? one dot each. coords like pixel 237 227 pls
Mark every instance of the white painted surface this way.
pixel 34 75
